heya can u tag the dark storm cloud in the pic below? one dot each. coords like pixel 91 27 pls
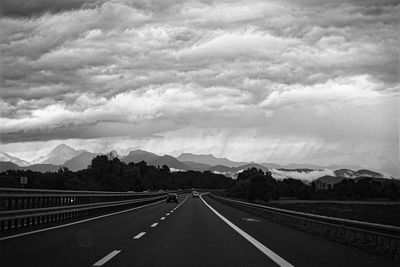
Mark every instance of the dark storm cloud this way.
pixel 24 8
pixel 270 69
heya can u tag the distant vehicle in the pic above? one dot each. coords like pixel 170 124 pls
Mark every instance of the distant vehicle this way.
pixel 172 198
pixel 195 194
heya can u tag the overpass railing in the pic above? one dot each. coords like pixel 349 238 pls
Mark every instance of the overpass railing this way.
pixel 375 238
pixel 21 208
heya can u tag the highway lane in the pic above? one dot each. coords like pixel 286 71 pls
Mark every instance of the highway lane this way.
pixel 80 244
pixel 298 248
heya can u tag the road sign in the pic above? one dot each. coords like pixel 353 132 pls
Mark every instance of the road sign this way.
pixel 23 180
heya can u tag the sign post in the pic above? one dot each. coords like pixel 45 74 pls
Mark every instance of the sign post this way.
pixel 23 181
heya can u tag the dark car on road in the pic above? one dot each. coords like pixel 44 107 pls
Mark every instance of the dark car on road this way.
pixel 172 198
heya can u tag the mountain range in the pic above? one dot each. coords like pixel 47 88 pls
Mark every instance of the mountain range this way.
pixel 7 158
pixel 63 155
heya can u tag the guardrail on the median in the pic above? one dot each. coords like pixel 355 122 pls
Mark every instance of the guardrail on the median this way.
pixel 20 208
pixel 375 238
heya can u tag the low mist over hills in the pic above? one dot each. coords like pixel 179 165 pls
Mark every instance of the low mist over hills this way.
pixel 75 160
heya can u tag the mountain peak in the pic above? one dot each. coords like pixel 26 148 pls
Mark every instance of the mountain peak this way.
pixel 58 155
pixel 139 155
pixel 8 158
pixel 63 147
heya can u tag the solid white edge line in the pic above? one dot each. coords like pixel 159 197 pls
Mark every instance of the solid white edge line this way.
pixel 107 258
pixel 82 221
pixel 154 225
pixel 269 253
pixel 139 235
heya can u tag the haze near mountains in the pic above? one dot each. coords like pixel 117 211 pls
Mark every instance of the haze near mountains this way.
pixel 76 160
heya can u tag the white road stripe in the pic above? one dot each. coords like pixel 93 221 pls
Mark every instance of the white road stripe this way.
pixel 181 202
pixel 154 225
pixel 167 214
pixel 139 235
pixel 82 221
pixel 107 258
pixel 269 253
pixel 162 218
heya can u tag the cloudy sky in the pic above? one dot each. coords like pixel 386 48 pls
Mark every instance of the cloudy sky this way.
pixel 306 81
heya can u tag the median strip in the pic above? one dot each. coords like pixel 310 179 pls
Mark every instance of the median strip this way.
pixel 107 258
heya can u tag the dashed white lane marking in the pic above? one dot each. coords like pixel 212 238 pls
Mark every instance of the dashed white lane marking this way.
pixel 107 258
pixel 82 221
pixel 269 253
pixel 162 218
pixel 139 235
pixel 250 220
pixel 167 214
pixel 181 202
pixel 154 225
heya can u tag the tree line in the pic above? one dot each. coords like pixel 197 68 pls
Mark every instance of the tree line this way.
pixel 255 184
pixel 108 173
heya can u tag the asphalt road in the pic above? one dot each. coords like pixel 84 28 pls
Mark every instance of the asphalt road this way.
pixel 186 234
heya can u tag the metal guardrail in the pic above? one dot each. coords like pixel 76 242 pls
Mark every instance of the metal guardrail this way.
pixel 21 208
pixel 375 238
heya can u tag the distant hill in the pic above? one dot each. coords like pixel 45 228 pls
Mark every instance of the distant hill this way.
pixel 42 167
pixel 234 171
pixel 368 173
pixel 80 162
pixel 170 161
pixel 7 165
pixel 6 157
pixel 208 159
pixel 342 166
pixel 139 155
pixel 195 166
pixel 345 173
pixel 251 165
pixel 58 155
pixel 360 173
pixel 301 166
pixel 271 165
